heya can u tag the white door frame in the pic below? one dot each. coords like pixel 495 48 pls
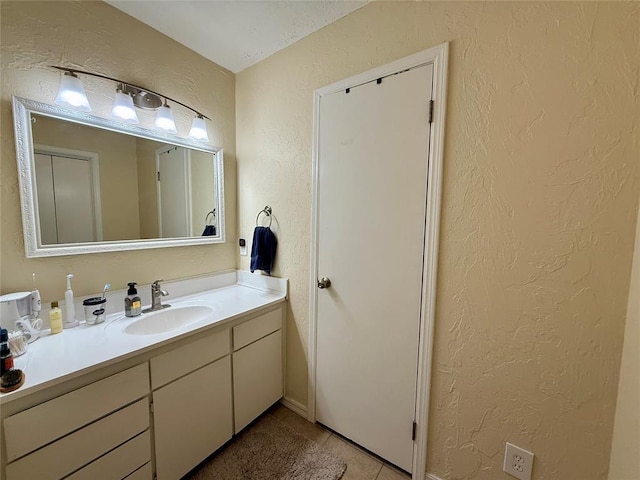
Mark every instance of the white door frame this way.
pixel 438 56
pixel 94 159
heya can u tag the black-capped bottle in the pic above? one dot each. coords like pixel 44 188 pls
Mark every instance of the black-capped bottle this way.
pixel 6 358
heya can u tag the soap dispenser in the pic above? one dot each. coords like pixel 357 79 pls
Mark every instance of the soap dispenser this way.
pixel 132 302
pixel 70 310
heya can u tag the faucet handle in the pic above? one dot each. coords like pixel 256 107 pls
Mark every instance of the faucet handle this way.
pixel 157 283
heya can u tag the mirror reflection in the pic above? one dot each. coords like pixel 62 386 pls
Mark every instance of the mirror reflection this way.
pixel 97 185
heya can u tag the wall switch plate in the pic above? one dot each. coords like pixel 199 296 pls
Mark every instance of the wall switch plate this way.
pixel 518 462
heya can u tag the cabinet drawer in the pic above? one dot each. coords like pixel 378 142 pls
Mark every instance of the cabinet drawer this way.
pixel 259 327
pixel 42 424
pixel 79 448
pixel 175 364
pixel 120 462
pixel 143 473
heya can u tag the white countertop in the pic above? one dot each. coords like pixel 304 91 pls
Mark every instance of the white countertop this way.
pixel 77 351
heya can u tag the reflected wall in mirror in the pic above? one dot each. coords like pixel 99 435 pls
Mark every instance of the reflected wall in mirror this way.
pixel 91 184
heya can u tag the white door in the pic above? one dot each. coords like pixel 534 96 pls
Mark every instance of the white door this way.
pixel 174 197
pixel 46 199
pixel 372 188
pixel 65 199
pixel 72 180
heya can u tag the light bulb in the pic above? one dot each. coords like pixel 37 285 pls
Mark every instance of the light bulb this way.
pixel 72 94
pixel 199 129
pixel 164 119
pixel 123 107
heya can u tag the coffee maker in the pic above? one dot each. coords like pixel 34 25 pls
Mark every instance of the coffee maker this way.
pixel 20 311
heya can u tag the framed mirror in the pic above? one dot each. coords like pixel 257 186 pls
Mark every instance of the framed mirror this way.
pixel 89 184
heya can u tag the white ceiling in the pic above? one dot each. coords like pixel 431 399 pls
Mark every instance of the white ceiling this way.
pixel 236 33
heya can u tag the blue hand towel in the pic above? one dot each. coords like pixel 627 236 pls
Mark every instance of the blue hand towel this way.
pixel 263 250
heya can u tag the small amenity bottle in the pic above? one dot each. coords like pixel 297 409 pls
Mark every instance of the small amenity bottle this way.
pixel 55 318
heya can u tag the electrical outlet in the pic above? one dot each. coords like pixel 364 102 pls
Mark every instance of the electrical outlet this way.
pixel 517 462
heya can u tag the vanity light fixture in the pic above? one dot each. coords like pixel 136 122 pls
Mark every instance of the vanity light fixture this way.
pixel 128 97
pixel 199 129
pixel 123 107
pixel 71 93
pixel 164 119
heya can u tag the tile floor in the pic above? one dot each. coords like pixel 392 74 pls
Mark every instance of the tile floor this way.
pixel 360 464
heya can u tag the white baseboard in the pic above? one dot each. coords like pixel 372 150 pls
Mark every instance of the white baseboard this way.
pixel 297 407
pixel 431 476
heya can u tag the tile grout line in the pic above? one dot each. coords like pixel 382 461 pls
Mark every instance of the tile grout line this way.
pixel 379 470
pixel 397 471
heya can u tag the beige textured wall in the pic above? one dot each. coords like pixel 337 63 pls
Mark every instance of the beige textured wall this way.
pixel 117 166
pixel 95 36
pixel 539 206
pixel 625 461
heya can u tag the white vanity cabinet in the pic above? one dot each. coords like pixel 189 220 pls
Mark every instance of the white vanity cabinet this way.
pixel 192 406
pixel 257 366
pixel 72 433
pixel 159 412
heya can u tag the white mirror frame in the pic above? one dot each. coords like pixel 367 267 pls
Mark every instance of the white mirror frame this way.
pixel 22 109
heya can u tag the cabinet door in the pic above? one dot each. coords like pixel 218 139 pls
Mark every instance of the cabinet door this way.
pixel 192 419
pixel 257 378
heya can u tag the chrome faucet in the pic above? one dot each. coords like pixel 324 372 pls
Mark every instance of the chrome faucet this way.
pixel 156 297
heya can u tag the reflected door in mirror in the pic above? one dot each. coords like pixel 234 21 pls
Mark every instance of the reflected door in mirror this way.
pixel 174 210
pixel 65 199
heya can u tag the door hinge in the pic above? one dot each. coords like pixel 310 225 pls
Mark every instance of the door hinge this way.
pixel 414 427
pixel 158 172
pixel 151 407
pixel 430 111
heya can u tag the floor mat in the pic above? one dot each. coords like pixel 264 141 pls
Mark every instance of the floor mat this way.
pixel 270 450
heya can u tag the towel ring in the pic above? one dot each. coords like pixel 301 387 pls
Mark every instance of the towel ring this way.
pixel 211 213
pixel 267 211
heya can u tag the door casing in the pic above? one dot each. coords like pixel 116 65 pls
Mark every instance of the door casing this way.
pixel 438 57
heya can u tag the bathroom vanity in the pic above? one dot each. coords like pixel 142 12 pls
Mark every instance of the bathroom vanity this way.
pixel 136 398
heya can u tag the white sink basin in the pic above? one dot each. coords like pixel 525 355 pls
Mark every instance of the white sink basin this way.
pixel 167 320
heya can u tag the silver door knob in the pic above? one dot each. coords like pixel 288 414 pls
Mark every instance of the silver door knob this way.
pixel 324 282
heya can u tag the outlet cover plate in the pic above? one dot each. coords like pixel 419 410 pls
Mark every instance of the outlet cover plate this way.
pixel 518 462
